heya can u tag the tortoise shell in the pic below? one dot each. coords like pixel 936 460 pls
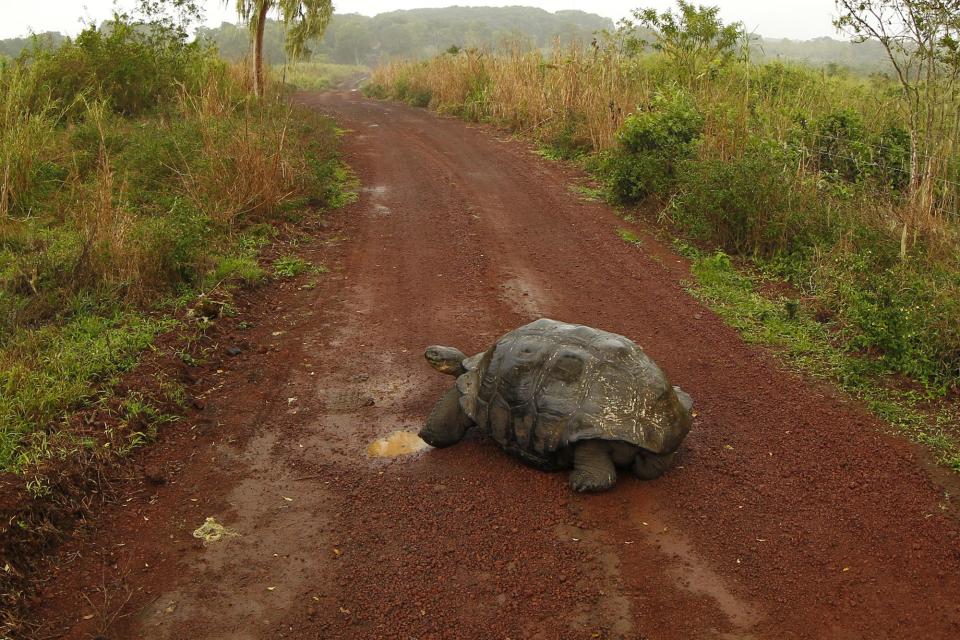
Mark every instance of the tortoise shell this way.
pixel 550 384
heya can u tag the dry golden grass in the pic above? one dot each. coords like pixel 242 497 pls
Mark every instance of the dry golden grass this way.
pixel 583 96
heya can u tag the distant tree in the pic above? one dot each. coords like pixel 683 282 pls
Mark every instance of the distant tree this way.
pixel 922 41
pixel 177 15
pixel 396 39
pixel 694 37
pixel 303 20
pixel 352 41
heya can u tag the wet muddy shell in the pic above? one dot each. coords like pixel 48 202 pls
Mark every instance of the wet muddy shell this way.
pixel 550 384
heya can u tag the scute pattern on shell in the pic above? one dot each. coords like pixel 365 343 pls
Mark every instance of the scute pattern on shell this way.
pixel 549 384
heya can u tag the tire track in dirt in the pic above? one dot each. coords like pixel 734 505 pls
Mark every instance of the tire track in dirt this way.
pixel 790 514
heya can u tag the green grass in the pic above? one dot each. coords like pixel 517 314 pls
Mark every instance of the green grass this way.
pixel 293 266
pixel 590 194
pixel 630 237
pixel 44 374
pixel 807 345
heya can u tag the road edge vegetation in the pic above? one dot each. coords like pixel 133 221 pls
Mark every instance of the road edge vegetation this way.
pixel 142 190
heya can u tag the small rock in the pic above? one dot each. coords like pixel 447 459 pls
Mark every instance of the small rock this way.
pixel 233 351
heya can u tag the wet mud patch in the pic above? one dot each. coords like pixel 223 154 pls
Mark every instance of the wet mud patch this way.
pixel 525 297
pixel 613 610
pixel 695 576
pixel 345 400
pixel 396 444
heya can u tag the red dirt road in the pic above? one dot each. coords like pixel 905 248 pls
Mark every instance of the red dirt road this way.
pixel 790 516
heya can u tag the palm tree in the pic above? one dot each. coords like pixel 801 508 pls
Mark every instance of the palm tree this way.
pixel 303 20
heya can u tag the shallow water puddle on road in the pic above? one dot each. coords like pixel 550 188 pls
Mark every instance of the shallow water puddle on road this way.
pixel 694 575
pixel 398 443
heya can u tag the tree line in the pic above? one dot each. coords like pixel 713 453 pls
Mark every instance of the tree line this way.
pixel 421 33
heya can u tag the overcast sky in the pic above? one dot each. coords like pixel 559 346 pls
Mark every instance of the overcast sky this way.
pixel 798 19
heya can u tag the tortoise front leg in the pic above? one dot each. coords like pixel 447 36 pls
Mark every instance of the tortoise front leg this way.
pixel 447 423
pixel 593 468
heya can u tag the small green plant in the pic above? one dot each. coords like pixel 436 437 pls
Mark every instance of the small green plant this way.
pixel 629 236
pixel 590 194
pixel 172 390
pixel 376 90
pixel 290 266
pixel 240 269
pixel 694 38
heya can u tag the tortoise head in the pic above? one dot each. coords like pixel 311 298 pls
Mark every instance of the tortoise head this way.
pixel 446 359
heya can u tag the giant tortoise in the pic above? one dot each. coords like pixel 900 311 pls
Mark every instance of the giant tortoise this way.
pixel 561 395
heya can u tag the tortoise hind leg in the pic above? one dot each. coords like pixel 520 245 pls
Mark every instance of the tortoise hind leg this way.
pixel 447 423
pixel 593 468
pixel 650 466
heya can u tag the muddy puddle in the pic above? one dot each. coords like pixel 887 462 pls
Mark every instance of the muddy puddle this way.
pixel 396 444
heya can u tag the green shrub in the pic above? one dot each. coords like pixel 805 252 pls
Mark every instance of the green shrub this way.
pixel 902 311
pixel 419 97
pixel 135 68
pixel 376 90
pixel 650 146
pixel 756 204
pixel 842 147
pixel 566 143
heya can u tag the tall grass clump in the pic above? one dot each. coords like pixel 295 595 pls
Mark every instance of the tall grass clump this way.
pixel 819 178
pixel 133 166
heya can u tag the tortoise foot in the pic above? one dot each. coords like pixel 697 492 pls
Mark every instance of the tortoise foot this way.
pixel 593 468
